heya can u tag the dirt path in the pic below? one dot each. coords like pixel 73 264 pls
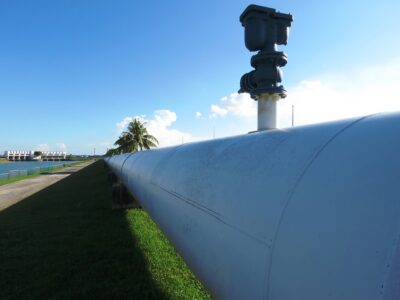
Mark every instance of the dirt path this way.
pixel 14 192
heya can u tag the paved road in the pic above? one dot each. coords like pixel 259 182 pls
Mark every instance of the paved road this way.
pixel 14 192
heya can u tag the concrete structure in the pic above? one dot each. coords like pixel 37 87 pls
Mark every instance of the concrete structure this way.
pixel 19 155
pixel 306 212
pixel 35 155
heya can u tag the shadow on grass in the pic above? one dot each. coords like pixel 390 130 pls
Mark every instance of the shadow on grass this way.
pixel 66 243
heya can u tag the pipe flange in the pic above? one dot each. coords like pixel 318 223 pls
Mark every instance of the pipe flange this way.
pixel 279 90
pixel 272 59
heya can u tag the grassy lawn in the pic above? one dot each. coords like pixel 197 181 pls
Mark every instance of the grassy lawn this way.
pixel 5 181
pixel 66 243
pixel 55 169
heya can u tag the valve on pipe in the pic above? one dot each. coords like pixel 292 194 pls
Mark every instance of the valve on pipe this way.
pixel 264 29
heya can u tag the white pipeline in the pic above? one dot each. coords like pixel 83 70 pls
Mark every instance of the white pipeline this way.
pixel 307 212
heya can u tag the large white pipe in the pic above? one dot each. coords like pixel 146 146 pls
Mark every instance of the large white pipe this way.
pixel 266 118
pixel 306 213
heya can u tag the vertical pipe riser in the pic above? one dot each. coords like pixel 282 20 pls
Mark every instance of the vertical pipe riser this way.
pixel 267 112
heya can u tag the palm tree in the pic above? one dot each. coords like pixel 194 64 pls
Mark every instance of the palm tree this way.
pixel 125 143
pixel 112 151
pixel 140 135
pixel 135 138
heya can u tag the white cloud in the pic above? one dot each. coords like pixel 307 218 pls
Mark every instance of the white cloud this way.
pixel 43 147
pixel 323 98
pixel 162 119
pixel 365 91
pixel 327 97
pixel 217 111
pixel 239 105
pixel 61 147
pixel 160 127
pixel 121 126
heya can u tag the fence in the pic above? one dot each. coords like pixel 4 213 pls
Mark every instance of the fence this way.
pixel 37 170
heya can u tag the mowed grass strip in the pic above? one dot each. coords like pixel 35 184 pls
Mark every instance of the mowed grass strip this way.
pixel 66 243
pixel 18 178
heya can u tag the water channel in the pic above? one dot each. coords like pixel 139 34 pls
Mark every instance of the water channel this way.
pixel 29 165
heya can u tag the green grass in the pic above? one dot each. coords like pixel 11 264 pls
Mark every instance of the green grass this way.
pixel 66 243
pixel 165 266
pixel 56 169
pixel 10 180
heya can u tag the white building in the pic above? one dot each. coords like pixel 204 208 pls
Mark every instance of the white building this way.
pixel 35 155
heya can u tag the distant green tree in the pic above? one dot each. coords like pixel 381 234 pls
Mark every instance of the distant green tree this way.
pixel 136 138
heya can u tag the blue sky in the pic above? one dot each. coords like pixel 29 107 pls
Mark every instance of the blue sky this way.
pixel 73 73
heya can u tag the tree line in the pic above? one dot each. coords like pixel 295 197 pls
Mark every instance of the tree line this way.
pixel 135 138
